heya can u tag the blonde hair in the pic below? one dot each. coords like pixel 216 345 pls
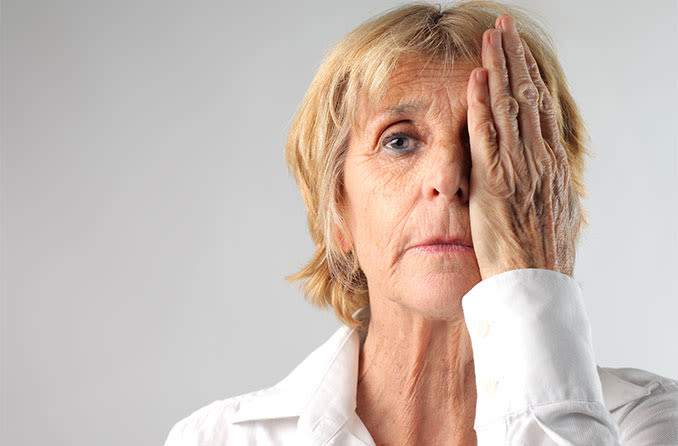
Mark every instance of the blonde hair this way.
pixel 364 59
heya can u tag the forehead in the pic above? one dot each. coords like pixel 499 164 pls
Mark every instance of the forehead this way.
pixel 414 85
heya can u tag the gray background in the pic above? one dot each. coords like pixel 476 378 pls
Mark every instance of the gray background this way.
pixel 148 219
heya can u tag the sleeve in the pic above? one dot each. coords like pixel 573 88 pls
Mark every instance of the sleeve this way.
pixel 653 419
pixel 188 432
pixel 536 374
pixel 181 435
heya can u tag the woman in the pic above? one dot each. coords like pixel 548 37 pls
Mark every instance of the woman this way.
pixel 440 156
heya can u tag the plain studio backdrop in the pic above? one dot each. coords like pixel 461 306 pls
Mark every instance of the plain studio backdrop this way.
pixel 148 218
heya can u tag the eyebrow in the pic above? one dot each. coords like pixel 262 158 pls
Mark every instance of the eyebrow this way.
pixel 404 108
pixel 395 111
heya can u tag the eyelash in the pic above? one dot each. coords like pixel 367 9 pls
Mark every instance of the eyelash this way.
pixel 398 135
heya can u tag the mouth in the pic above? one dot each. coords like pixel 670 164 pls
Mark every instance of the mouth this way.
pixel 442 248
pixel 442 245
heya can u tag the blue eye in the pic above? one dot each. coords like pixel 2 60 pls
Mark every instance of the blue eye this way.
pixel 399 143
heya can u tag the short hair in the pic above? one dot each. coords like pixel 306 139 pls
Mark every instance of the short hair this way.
pixel 363 60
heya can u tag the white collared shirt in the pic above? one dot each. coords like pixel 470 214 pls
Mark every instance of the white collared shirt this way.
pixel 536 377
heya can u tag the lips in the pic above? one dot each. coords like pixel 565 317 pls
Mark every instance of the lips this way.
pixel 459 241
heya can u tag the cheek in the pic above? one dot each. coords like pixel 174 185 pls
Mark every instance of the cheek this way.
pixel 382 208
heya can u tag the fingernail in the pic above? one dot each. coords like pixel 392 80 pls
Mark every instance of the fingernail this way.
pixel 508 23
pixel 481 76
pixel 495 37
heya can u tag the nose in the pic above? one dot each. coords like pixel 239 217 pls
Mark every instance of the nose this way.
pixel 448 173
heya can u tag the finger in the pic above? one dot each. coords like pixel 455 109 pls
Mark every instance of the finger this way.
pixel 482 134
pixel 547 116
pixel 522 87
pixel 485 156
pixel 502 104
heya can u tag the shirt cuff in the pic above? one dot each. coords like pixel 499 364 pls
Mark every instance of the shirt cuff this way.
pixel 531 343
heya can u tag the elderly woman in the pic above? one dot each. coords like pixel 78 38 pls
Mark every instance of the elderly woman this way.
pixel 440 156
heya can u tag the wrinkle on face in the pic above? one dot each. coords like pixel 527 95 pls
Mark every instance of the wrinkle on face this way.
pixel 386 205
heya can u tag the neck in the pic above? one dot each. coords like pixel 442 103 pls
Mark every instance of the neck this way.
pixel 416 379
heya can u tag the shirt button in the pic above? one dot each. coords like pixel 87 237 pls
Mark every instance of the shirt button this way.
pixel 491 386
pixel 483 329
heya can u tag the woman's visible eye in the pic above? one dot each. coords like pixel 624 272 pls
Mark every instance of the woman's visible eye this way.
pixel 399 142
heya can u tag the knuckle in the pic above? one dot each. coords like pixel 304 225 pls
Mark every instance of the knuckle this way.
pixel 541 100
pixel 499 67
pixel 479 100
pixel 521 169
pixel 544 166
pixel 499 64
pixel 486 130
pixel 528 93
pixel 533 67
pixel 546 103
pixel 548 112
pixel 516 49
pixel 562 172
pixel 564 167
pixel 499 181
pixel 507 105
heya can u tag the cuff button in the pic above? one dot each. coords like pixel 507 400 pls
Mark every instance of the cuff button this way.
pixel 483 329
pixel 491 386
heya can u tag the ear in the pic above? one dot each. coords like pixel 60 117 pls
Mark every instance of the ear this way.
pixel 342 236
pixel 343 240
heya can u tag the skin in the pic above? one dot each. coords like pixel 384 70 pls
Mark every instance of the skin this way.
pixel 480 157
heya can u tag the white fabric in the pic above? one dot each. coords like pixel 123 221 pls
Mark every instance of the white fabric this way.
pixel 536 378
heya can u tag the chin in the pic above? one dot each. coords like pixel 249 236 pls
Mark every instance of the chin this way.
pixel 432 286
pixel 438 296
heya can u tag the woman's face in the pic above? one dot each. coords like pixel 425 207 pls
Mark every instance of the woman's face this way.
pixel 406 181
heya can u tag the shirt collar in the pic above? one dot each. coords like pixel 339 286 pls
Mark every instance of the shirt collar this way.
pixel 617 391
pixel 321 391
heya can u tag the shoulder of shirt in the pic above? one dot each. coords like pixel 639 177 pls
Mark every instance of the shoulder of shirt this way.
pixel 210 425
pixel 204 426
pixel 626 389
